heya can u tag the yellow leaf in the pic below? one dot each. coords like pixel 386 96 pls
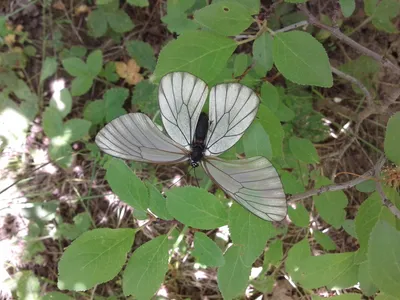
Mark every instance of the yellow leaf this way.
pixel 121 68
pixel 81 9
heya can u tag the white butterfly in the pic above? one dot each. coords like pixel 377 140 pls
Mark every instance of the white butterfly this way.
pixel 252 182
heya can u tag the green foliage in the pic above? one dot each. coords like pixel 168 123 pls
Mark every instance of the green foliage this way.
pixel 302 59
pixel 384 258
pixel 224 17
pixel 392 138
pixel 95 257
pixel 262 53
pixel 234 274
pixel 348 7
pixel 158 204
pixel 324 240
pixel 382 13
pixel 177 16
pixel 270 96
pixel 331 205
pixel 274 254
pixel 303 150
pixel 142 53
pixel 146 268
pixel 206 251
pixel 84 72
pixel 139 3
pixel 28 286
pixel 299 215
pixel 256 141
pixel 145 96
pixel 108 15
pixel 250 232
pixel 299 252
pixel 193 52
pixel 128 187
pixel 196 208
pixel 49 68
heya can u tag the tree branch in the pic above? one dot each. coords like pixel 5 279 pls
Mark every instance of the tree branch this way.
pixel 355 81
pixel 339 186
pixel 345 39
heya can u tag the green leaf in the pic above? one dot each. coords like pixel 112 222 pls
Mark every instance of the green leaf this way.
pixel 52 122
pixel 348 7
pixel 384 258
pixel 262 53
pixel 256 141
pixel 62 102
pixel 109 72
pixel 206 251
pixel 95 257
pixel 61 154
pixel 97 22
pixel 324 240
pixel 381 296
pixel 273 128
pixel 226 18
pixel 240 64
pixel 274 254
pixel 95 112
pixel 233 276
pixel 296 254
pixel 195 52
pixel 49 67
pixel 366 186
pixel 292 185
pixel 128 187
pixel 114 99
pixel 145 96
pixel 333 270
pixel 196 208
pixel 142 53
pixel 366 283
pixel 119 21
pixel 75 129
pixel 270 96
pixel 392 139
pixel 75 66
pixel 350 227
pixel 367 216
pixel 80 85
pixel 382 12
pixel 95 62
pixel 178 22
pixel 157 203
pixel 303 150
pixel 331 205
pixel 253 6
pixel 139 3
pixel 302 59
pixel 28 286
pixel 146 269
pixel 299 215
pixel 250 232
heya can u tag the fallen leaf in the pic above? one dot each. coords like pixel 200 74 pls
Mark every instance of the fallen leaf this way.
pixel 9 39
pixel 129 71
pixel 82 9
pixel 59 5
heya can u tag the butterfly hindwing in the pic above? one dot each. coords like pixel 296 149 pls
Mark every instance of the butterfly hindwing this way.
pixel 253 183
pixel 136 137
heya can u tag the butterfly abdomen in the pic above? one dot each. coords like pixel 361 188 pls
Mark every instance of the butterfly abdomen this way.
pixel 198 145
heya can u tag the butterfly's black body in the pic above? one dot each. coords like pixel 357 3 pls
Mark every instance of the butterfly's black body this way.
pixel 198 144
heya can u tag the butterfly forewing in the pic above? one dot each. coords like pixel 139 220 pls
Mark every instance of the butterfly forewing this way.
pixel 136 137
pixel 253 183
pixel 232 109
pixel 181 97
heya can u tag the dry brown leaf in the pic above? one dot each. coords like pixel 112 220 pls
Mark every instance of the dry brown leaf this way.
pixel 9 39
pixel 129 71
pixel 59 5
pixel 19 28
pixel 82 9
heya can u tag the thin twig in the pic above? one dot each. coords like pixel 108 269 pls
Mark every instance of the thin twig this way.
pixel 379 189
pixel 345 39
pixel 355 81
pixel 338 186
pixel 293 26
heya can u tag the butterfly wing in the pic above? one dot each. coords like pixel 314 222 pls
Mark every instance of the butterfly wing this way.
pixel 136 137
pixel 232 109
pixel 181 96
pixel 253 183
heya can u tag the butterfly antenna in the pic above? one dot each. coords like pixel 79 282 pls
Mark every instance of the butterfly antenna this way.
pixel 176 182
